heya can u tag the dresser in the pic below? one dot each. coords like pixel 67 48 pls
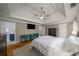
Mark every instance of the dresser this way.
pixel 11 47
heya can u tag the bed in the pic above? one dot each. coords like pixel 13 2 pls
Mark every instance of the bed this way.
pixel 54 46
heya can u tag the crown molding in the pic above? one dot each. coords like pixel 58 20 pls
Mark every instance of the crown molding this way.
pixel 12 19
pixel 59 22
pixel 26 21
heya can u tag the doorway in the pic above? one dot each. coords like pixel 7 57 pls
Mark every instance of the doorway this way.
pixel 52 32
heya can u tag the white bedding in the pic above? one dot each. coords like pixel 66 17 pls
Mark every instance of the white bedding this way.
pixel 50 46
pixel 72 45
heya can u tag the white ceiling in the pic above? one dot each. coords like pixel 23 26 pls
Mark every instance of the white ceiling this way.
pixel 49 8
pixel 27 11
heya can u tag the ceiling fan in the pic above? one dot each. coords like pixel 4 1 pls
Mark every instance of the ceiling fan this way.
pixel 42 15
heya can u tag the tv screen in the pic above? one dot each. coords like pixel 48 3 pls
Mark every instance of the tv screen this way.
pixel 30 26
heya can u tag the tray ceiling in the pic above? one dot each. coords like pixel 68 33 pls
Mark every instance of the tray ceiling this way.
pixel 27 11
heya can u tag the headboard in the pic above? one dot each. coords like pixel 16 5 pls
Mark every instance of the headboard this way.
pixel 30 36
pixel 78 34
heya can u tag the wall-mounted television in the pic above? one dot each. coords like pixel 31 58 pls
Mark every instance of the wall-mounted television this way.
pixel 30 26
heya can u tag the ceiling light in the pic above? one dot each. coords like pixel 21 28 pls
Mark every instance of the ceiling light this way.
pixel 41 17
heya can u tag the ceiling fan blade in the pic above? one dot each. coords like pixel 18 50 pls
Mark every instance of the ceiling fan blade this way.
pixel 43 12
pixel 38 18
pixel 41 8
pixel 36 15
pixel 47 15
pixel 44 18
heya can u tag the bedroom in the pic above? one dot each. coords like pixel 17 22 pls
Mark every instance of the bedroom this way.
pixel 50 21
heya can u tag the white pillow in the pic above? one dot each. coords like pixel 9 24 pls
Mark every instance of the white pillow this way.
pixel 57 48
pixel 70 45
pixel 58 43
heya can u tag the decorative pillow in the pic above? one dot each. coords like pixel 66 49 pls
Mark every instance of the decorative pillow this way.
pixel 70 45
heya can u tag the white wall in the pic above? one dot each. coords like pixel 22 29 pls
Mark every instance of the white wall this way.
pixel 77 18
pixel 62 30
pixel 69 28
pixel 42 30
pixel 21 28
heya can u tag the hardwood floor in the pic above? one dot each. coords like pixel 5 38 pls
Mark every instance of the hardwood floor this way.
pixel 11 47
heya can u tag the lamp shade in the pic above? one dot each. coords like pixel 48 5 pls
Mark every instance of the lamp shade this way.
pixel 74 32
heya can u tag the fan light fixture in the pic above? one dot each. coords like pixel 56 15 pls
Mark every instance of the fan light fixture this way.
pixel 42 15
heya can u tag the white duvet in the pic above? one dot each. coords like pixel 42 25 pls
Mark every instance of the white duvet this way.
pixel 50 46
pixel 72 45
